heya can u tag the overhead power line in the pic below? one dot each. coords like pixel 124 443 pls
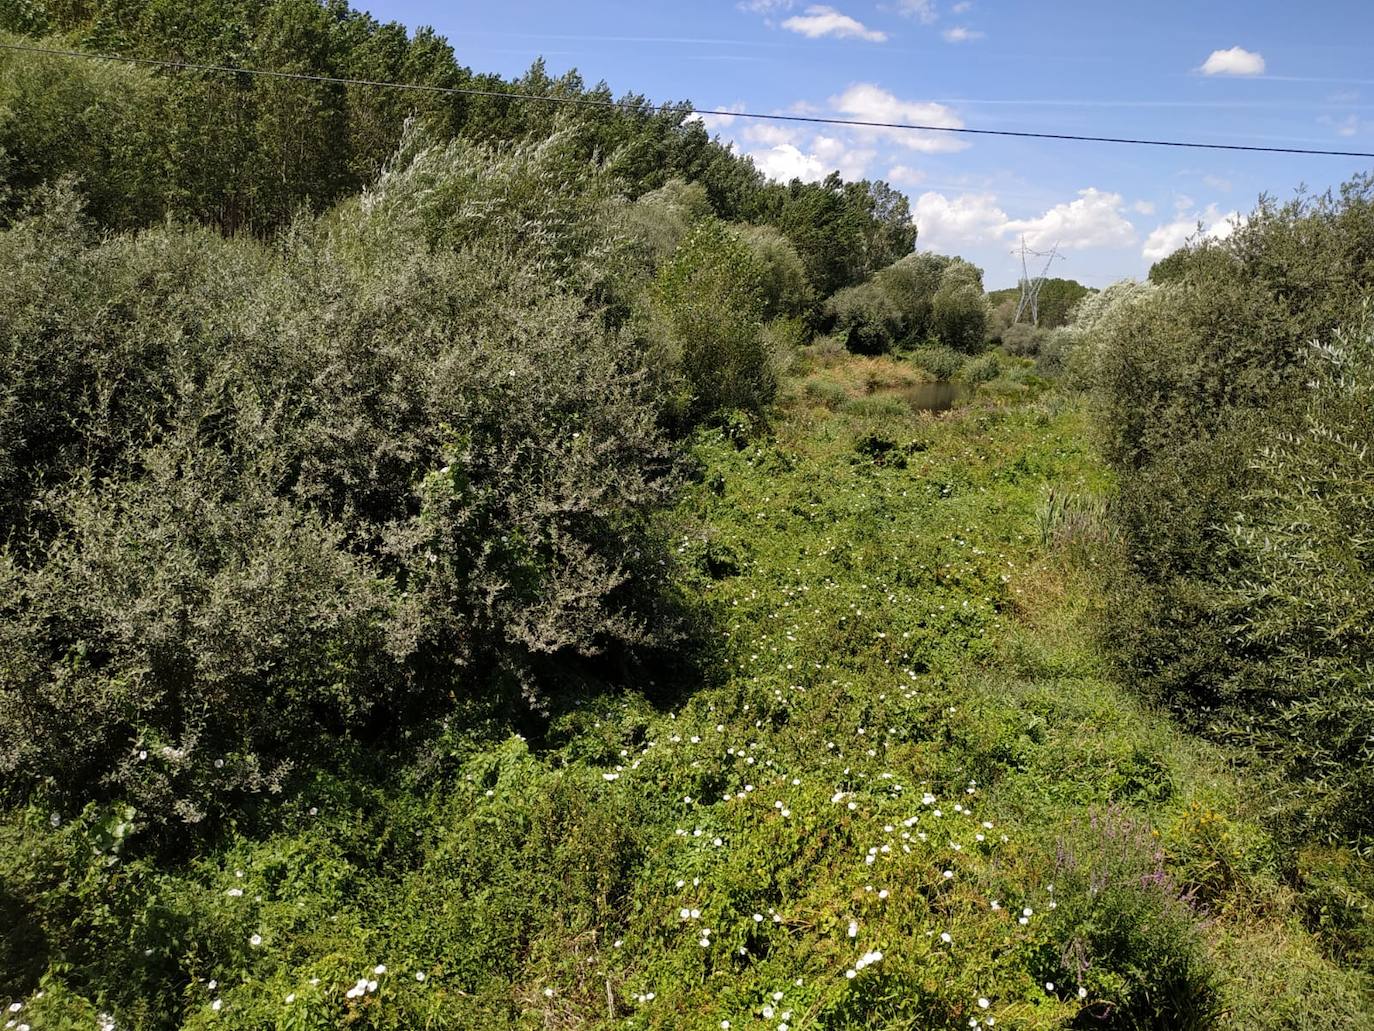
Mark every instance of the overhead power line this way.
pixel 626 105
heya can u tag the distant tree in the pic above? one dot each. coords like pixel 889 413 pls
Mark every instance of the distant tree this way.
pixel 1057 299
pixel 960 309
pixel 707 305
pixel 782 277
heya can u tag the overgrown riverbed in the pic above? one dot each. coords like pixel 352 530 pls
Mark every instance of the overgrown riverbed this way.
pixel 907 794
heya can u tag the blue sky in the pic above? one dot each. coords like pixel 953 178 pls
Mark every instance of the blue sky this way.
pixel 1257 72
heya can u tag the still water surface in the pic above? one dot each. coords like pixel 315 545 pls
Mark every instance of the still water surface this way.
pixel 935 397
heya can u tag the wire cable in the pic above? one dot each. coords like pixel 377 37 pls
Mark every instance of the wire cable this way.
pixel 685 109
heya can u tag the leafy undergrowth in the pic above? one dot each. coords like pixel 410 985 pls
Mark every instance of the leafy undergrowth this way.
pixel 911 797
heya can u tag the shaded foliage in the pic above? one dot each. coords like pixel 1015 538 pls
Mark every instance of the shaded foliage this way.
pixel 1218 419
pixel 252 495
pixel 922 297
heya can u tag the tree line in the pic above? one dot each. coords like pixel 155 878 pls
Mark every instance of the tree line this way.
pixel 246 154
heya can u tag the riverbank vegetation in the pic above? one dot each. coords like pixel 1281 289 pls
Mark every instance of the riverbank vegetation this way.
pixel 525 570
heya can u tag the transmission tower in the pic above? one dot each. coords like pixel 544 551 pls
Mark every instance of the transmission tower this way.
pixel 1030 288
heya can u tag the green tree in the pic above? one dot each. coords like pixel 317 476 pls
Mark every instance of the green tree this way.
pixel 707 306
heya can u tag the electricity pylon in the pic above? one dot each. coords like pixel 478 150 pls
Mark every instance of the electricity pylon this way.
pixel 1030 288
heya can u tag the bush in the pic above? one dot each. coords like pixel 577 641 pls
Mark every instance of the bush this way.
pixel 658 221
pixel 706 308
pixel 1238 493
pixel 1061 354
pixel 1023 339
pixel 786 294
pixel 1305 601
pixel 941 362
pixel 982 369
pixel 960 311
pixel 920 296
pixel 1123 931
pixel 866 317
pixel 261 500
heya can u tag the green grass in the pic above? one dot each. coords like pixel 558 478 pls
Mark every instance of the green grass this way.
pixel 910 719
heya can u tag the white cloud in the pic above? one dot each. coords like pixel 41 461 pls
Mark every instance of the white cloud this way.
pixel 771 134
pixel 715 121
pixel 922 10
pixel 786 162
pixel 1143 207
pixel 1093 220
pixel 1236 61
pixel 850 161
pixel 1224 226
pixel 1348 126
pixel 1167 238
pixel 1216 182
pixel 821 21
pixel 904 175
pixel 765 6
pixel 870 103
pixel 969 221
pixel 963 7
pixel 947 225
pixel 785 159
pixel 961 34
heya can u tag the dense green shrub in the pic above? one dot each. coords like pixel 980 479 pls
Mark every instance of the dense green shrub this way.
pixel 1243 608
pixel 959 309
pixel 982 369
pixel 1023 339
pixel 658 221
pixel 867 316
pixel 538 199
pixel 706 311
pixel 920 297
pixel 255 500
pixel 1060 356
pixel 1305 599
pixel 941 362
pixel 1124 933
pixel 786 293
